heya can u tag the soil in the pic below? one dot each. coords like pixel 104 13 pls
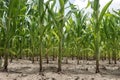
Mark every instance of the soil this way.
pixel 25 70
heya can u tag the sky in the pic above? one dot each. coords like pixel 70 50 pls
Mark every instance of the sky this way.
pixel 82 3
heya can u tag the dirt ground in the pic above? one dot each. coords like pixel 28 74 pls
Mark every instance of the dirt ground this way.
pixel 25 70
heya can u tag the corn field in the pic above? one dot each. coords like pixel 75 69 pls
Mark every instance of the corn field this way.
pixel 57 33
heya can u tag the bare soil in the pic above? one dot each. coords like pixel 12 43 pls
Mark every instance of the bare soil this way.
pixel 25 70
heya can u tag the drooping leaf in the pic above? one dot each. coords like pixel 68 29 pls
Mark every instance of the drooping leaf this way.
pixel 56 35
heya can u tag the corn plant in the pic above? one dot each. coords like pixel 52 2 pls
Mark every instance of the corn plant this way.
pixel 8 28
pixel 97 20
pixel 34 29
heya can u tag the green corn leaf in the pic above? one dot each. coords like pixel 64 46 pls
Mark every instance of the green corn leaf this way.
pixel 96 5
pixel 52 6
pixel 27 50
pixel 1 48
pixel 57 37
pixel 12 52
pixel 118 13
pixel 87 49
pixel 104 10
pixel 51 13
pixel 40 7
pixel 61 3
pixel 88 4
